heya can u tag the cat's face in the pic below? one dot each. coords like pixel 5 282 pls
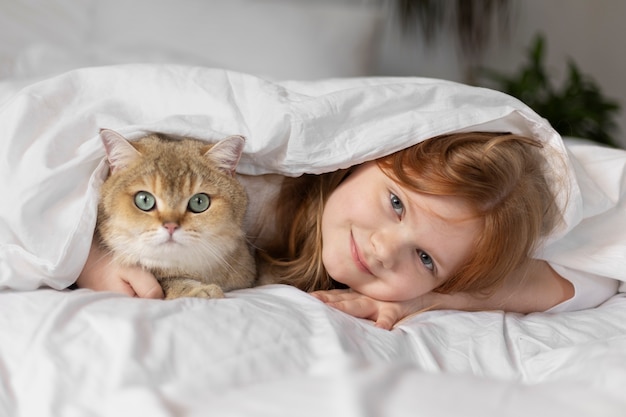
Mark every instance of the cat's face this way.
pixel 170 205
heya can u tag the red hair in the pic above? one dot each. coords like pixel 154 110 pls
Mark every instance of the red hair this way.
pixel 501 176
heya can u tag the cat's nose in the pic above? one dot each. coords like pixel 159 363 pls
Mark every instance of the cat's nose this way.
pixel 171 227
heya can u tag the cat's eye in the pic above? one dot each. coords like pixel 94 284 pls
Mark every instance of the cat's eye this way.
pixel 145 201
pixel 199 202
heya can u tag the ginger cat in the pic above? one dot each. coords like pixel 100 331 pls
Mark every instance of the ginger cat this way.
pixel 174 207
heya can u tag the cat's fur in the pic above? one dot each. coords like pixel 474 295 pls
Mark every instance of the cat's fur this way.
pixel 191 254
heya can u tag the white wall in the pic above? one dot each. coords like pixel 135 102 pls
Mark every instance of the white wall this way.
pixel 592 33
pixel 299 39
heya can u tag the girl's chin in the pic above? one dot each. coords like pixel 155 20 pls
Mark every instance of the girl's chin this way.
pixel 341 280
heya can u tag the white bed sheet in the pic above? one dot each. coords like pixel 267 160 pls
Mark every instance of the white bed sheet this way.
pixel 275 350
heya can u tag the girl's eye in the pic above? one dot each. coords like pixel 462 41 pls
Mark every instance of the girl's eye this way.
pixel 199 202
pixel 426 260
pixel 396 204
pixel 145 201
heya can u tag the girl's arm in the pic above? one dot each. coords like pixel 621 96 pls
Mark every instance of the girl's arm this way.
pixel 100 273
pixel 537 288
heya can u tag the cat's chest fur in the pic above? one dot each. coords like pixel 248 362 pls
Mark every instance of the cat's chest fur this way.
pixel 175 208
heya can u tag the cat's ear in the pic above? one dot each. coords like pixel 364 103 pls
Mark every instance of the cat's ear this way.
pixel 119 151
pixel 226 153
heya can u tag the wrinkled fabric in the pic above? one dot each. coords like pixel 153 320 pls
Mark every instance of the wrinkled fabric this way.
pixel 277 351
pixel 52 157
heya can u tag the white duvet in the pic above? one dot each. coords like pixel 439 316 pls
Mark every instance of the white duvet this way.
pixel 275 350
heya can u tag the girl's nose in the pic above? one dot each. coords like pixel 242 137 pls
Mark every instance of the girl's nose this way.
pixel 388 247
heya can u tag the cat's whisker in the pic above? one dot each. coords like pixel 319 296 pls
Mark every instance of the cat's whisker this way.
pixel 217 255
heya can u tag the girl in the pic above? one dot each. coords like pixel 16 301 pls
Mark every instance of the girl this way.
pixel 452 222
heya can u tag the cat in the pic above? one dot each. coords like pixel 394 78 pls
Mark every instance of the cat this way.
pixel 174 207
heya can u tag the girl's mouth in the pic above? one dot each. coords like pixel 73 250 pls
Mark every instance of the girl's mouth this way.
pixel 356 257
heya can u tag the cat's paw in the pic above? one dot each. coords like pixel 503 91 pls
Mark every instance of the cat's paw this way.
pixel 177 288
pixel 205 291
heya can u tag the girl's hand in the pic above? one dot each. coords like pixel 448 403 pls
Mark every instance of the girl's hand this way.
pixel 385 314
pixel 102 274
pixel 535 287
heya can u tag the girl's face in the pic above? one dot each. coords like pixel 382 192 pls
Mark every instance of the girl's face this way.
pixel 390 243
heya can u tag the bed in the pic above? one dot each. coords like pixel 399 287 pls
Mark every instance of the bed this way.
pixel 275 350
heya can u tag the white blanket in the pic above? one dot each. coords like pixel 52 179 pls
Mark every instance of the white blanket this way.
pixel 275 350
pixel 51 150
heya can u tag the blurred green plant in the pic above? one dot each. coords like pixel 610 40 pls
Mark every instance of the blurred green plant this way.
pixel 471 24
pixel 577 109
